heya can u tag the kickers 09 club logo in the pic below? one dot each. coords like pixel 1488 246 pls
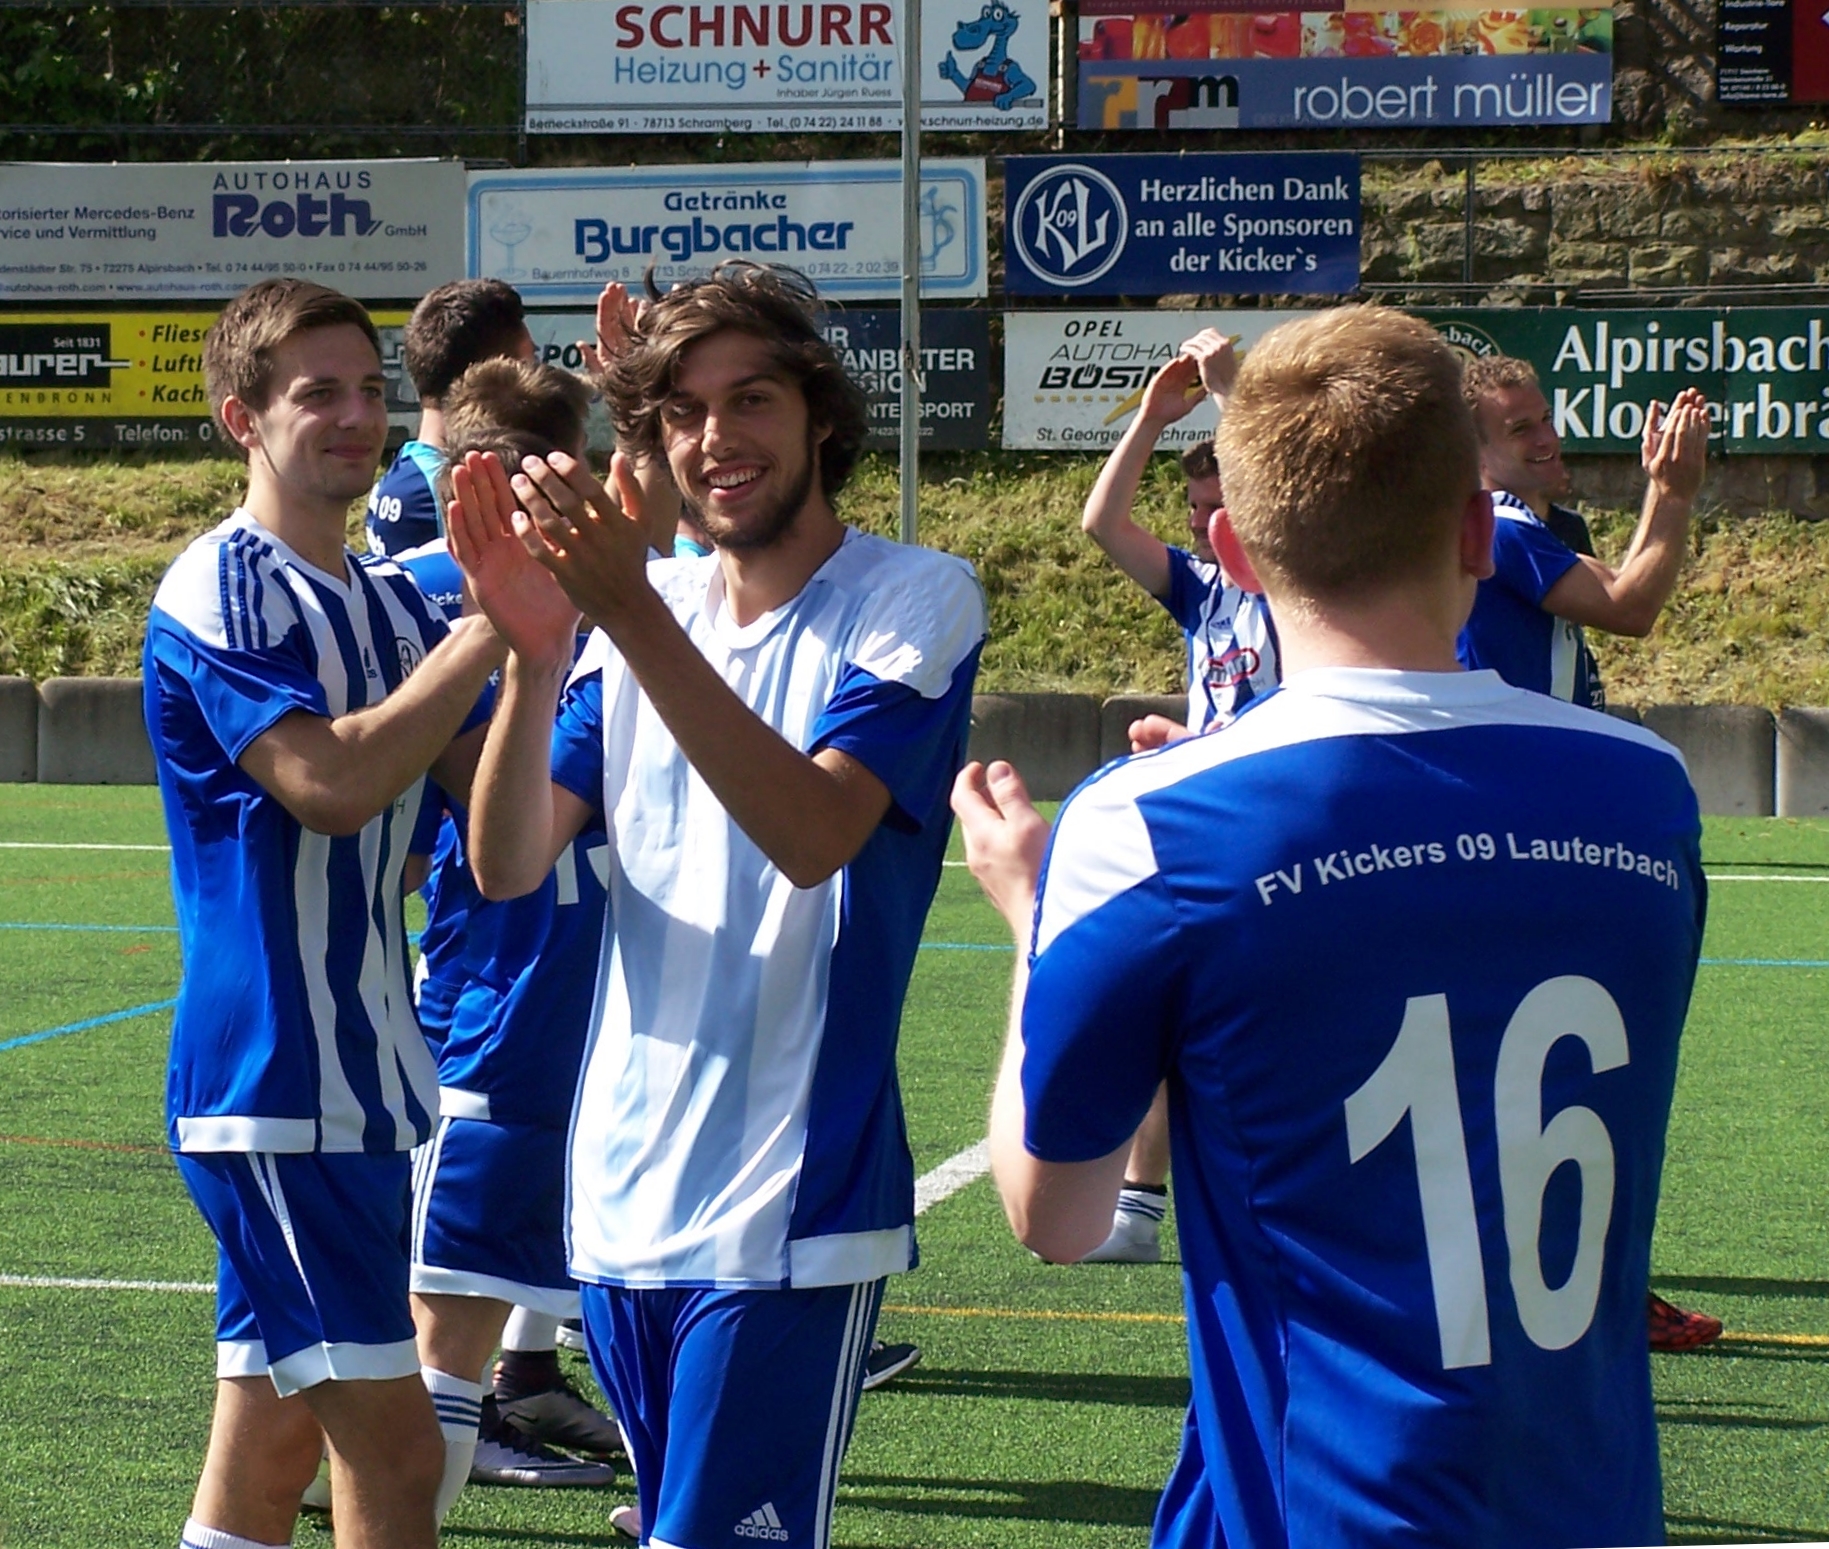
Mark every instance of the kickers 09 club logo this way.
pixel 1069 225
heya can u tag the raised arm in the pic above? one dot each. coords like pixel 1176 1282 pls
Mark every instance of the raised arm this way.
pixel 1060 1210
pixel 1628 599
pixel 1107 519
pixel 335 775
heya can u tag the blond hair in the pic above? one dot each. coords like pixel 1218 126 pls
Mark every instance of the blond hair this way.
pixel 1347 451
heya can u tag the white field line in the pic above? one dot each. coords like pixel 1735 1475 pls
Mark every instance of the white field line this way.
pixel 27 844
pixel 943 1182
pixel 1727 876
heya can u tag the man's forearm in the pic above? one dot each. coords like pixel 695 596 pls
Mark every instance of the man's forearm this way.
pixel 511 798
pixel 1647 575
pixel 335 776
pixel 1107 518
pixel 805 818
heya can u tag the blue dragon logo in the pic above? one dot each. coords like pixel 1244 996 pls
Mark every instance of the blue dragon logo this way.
pixel 996 78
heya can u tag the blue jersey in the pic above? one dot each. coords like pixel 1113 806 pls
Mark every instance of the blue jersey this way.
pixel 529 975
pixel 738 1123
pixel 1232 647
pixel 1509 630
pixel 294 1029
pixel 404 508
pixel 1419 1024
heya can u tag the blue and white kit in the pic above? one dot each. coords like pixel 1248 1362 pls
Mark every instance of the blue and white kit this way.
pixel 1232 646
pixel 720 1137
pixel 1420 1031
pixel 294 1034
pixel 405 510
pixel 1509 629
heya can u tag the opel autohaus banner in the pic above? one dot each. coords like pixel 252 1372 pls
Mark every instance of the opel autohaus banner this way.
pixel 198 231
pixel 1161 225
pixel 561 236
pixel 1073 381
pixel 780 66
pixel 1239 64
pixel 1771 52
pixel 955 364
pixel 74 379
pixel 1765 370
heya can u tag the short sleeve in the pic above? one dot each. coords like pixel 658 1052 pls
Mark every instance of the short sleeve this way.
pixel 1191 583
pixel 577 745
pixel 1529 559
pixel 1098 1018
pixel 903 700
pixel 239 693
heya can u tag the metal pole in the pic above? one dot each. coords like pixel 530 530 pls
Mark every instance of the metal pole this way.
pixel 911 264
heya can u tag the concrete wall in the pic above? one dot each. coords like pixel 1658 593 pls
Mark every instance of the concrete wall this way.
pixel 90 731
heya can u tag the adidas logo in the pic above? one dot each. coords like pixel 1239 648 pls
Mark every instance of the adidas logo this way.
pixel 763 1523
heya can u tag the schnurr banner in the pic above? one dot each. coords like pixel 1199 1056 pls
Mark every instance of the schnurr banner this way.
pixel 1765 370
pixel 70 379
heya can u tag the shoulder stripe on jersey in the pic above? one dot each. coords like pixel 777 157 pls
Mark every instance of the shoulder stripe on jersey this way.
pixel 1111 850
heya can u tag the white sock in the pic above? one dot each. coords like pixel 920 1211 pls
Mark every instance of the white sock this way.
pixel 459 1406
pixel 530 1331
pixel 197 1536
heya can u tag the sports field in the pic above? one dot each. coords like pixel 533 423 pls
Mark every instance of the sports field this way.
pixel 1046 1410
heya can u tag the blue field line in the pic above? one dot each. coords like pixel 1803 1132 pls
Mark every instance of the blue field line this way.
pixel 964 946
pixel 131 929
pixel 78 1027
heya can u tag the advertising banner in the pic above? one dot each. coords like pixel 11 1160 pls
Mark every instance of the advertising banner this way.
pixel 205 230
pixel 763 66
pixel 1158 225
pixel 1233 64
pixel 70 379
pixel 1765 370
pixel 561 236
pixel 1072 381
pixel 955 362
pixel 1771 52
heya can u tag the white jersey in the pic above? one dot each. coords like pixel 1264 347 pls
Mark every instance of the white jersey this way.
pixel 739 1122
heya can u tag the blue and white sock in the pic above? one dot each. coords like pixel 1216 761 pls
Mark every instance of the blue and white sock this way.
pixel 459 1407
pixel 197 1536
pixel 1147 1200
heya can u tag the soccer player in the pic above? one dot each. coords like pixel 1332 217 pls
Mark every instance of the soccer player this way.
pixel 1231 643
pixel 769 734
pixel 505 994
pixel 1546 583
pixel 1413 949
pixel 1528 617
pixel 451 329
pixel 295 697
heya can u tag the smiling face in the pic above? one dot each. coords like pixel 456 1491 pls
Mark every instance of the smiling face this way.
pixel 1519 448
pixel 739 440
pixel 319 437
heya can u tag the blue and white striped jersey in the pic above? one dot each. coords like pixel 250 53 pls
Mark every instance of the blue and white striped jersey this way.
pixel 739 1122
pixel 1232 646
pixel 294 1029
pixel 1510 631
pixel 1413 952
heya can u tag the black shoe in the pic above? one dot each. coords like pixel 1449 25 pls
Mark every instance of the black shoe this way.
pixel 887 1361
pixel 562 1417
pixel 505 1456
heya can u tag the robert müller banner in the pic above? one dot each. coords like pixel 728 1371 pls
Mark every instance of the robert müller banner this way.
pixel 780 66
pixel 561 236
pixel 1348 64
pixel 204 230
pixel 1073 381
pixel 1157 225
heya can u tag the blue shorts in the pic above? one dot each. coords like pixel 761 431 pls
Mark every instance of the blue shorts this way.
pixel 489 1215
pixel 737 1405
pixel 311 1264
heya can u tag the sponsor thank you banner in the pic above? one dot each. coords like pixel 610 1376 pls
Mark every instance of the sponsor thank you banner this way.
pixel 561 236
pixel 1233 64
pixel 1160 225
pixel 1073 381
pixel 1765 370
pixel 779 66
pixel 201 231
pixel 108 379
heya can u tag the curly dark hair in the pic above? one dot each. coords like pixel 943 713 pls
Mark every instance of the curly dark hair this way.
pixel 769 302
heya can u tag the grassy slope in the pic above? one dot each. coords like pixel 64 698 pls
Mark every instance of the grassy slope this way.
pixel 81 548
